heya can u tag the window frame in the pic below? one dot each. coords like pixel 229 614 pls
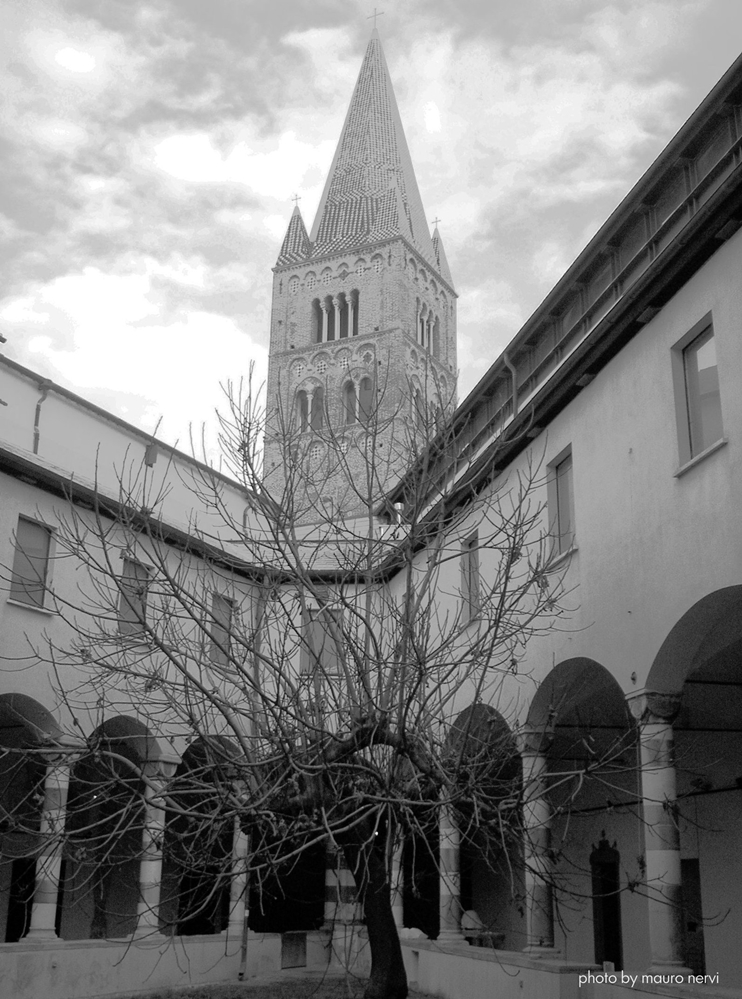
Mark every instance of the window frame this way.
pixel 220 634
pixel 18 590
pixel 311 663
pixel 130 626
pixel 688 453
pixel 471 577
pixel 564 536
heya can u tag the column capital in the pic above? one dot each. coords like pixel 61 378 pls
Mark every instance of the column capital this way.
pixel 533 741
pixel 649 706
pixel 64 751
pixel 162 768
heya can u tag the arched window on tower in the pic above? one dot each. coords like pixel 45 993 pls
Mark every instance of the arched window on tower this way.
pixel 353 310
pixel 423 318
pixel 436 344
pixel 302 411
pixel 318 408
pixel 418 409
pixel 350 403
pixel 344 314
pixel 365 399
pixel 316 321
pixel 330 317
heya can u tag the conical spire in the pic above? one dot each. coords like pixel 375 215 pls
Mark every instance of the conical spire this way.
pixel 295 246
pixel 371 192
pixel 440 258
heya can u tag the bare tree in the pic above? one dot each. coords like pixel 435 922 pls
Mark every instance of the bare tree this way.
pixel 342 668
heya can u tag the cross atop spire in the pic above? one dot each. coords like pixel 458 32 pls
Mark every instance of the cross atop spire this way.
pixel 376 14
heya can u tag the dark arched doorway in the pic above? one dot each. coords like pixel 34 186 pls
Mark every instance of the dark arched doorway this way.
pixel 581 724
pixel 26 728
pixel 197 864
pixel 105 827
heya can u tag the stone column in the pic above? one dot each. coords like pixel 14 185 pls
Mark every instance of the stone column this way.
pixel 655 714
pixel 332 886
pixel 397 886
pixel 343 917
pixel 450 880
pixel 49 863
pixel 238 885
pixel 336 305
pixel 156 774
pixel 325 319
pixel 539 872
pixel 350 316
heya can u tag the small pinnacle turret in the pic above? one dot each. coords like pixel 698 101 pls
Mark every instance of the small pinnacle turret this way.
pixel 295 244
pixel 440 258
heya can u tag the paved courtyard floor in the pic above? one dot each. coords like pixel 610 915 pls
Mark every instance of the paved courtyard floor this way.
pixel 286 985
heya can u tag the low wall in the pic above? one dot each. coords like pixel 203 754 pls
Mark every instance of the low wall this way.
pixel 82 969
pixel 457 971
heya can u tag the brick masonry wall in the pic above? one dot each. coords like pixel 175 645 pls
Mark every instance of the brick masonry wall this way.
pixel 392 283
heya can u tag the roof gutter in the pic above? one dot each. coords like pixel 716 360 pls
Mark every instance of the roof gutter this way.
pixel 514 375
pixel 44 385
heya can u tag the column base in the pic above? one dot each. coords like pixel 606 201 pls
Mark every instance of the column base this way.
pixel 41 934
pixel 146 931
pixel 542 951
pixel 670 969
pixel 451 936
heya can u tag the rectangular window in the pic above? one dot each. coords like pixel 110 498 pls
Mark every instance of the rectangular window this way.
pixel 702 399
pixel 564 522
pixel 222 612
pixel 470 576
pixel 320 653
pixel 30 562
pixel 133 587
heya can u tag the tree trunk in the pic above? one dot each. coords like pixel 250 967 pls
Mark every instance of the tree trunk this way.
pixel 367 862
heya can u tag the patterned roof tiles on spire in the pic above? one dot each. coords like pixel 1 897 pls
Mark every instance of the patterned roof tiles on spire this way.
pixel 295 246
pixel 371 191
pixel 440 258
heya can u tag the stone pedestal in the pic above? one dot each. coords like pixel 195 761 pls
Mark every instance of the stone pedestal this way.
pixel 539 873
pixel 49 863
pixel 450 879
pixel 655 713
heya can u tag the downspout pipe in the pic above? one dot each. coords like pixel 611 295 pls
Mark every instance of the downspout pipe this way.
pixel 44 385
pixel 514 375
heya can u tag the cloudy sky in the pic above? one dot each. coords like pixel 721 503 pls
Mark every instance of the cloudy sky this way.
pixel 150 151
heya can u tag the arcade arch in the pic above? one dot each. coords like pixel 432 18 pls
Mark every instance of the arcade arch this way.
pixel 579 762
pixel 691 739
pixel 105 826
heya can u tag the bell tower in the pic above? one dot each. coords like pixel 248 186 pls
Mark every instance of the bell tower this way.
pixel 363 322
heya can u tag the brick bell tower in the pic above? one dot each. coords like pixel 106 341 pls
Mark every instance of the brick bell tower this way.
pixel 363 326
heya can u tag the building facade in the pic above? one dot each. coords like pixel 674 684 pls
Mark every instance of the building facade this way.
pixel 623 389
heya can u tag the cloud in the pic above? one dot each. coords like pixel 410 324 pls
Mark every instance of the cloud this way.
pixel 75 61
pixel 111 337
pixel 153 150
